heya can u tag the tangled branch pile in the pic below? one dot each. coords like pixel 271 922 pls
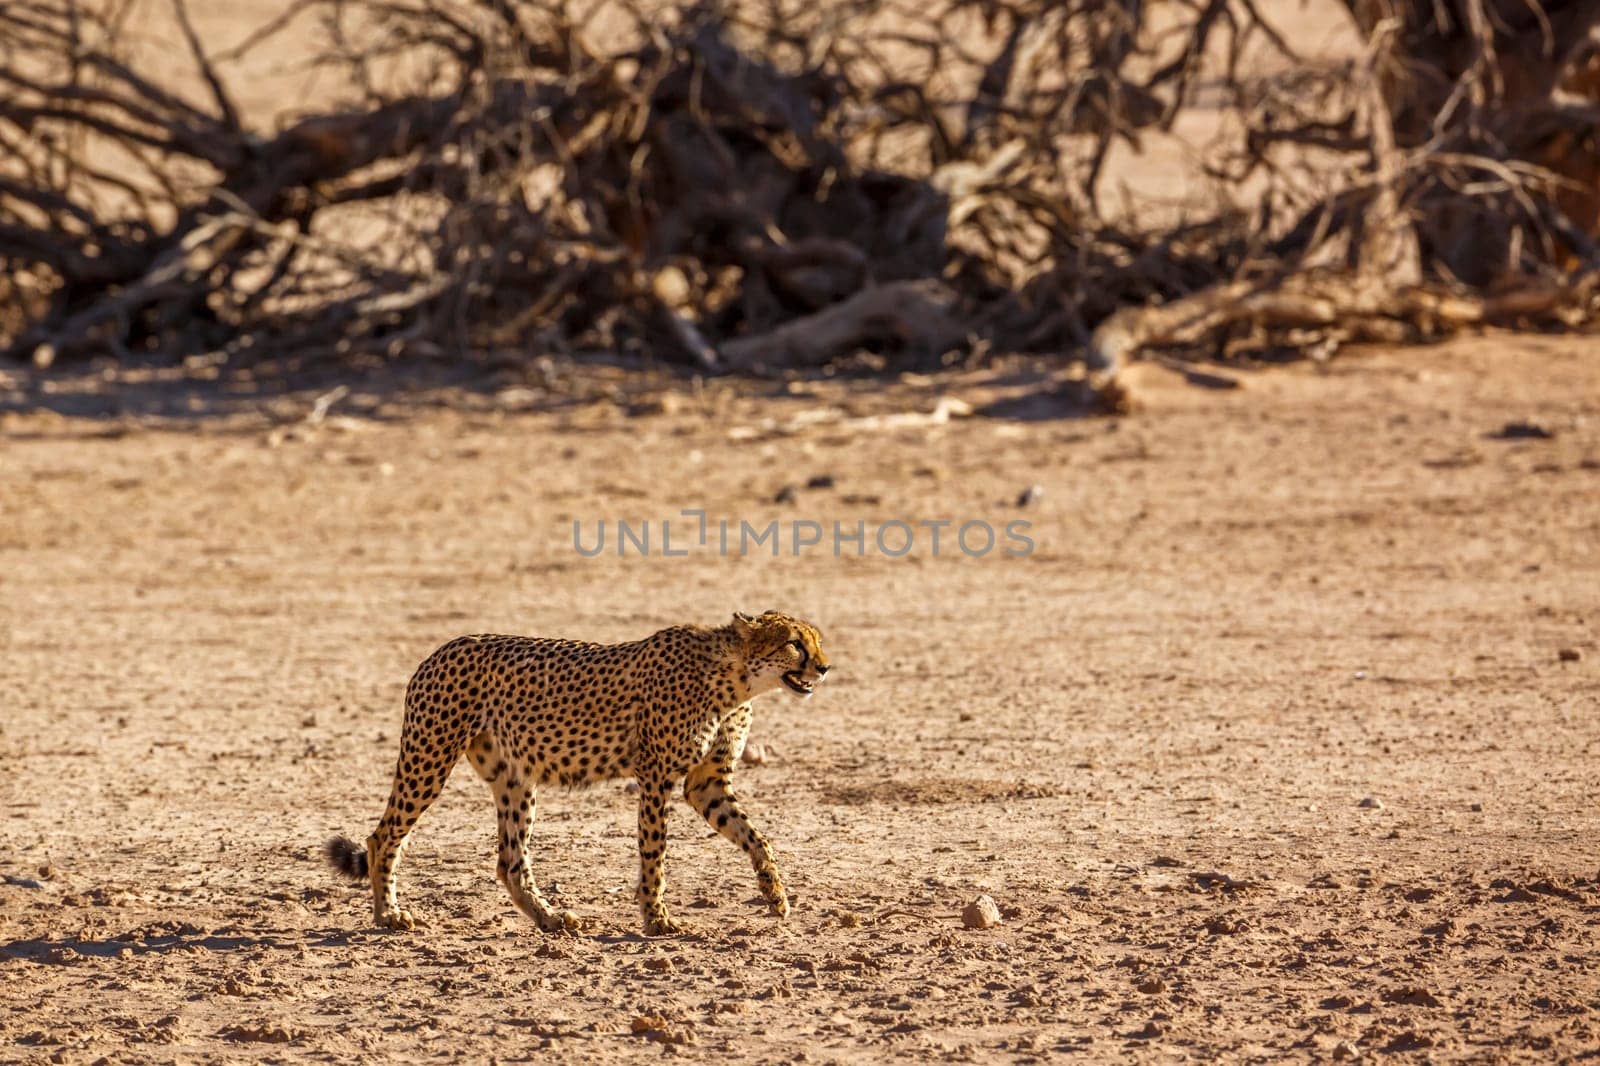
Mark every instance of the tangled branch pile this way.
pixel 764 187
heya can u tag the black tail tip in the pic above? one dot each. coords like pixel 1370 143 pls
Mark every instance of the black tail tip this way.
pixel 346 857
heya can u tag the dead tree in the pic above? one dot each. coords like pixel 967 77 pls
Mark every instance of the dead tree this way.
pixel 1475 199
pixel 793 186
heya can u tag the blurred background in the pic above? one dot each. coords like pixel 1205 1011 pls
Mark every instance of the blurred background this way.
pixel 768 189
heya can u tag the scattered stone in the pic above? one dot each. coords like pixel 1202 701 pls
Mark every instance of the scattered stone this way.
pixel 1150 1031
pixel 820 481
pixel 1150 986
pixel 655 1027
pixel 1027 996
pixel 1410 1040
pixel 1522 431
pixel 1030 496
pixel 1517 894
pixel 22 882
pixel 1213 880
pixel 1534 889
pixel 981 913
pixel 1476 807
pixel 258 1033
pixel 658 963
pixel 1569 655
pixel 1223 925
pixel 1344 1049
pixel 1372 803
pixel 1411 996
pixel 787 494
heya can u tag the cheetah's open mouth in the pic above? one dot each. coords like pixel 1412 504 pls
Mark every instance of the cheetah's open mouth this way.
pixel 799 684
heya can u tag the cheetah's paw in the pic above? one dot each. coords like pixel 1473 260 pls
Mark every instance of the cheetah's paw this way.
pixel 662 924
pixel 398 919
pixel 772 891
pixel 564 922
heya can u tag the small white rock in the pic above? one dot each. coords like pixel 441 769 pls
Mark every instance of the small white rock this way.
pixel 981 913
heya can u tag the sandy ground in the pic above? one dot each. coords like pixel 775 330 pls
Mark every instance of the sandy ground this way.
pixel 1150 740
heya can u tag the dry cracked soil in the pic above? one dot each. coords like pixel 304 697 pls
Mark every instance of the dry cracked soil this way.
pixel 1281 744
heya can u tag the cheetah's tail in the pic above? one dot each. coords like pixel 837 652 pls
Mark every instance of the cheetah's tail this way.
pixel 346 857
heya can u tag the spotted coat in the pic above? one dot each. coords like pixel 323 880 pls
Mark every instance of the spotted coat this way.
pixel 527 711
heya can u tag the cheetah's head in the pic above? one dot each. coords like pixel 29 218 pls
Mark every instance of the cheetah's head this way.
pixel 781 650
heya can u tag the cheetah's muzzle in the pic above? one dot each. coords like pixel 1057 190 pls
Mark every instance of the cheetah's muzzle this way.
pixel 799 684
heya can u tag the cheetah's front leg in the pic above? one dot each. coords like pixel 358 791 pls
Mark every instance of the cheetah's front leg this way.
pixel 709 790
pixel 654 791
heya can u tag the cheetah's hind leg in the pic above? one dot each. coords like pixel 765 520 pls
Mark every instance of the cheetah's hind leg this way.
pixel 515 800
pixel 420 775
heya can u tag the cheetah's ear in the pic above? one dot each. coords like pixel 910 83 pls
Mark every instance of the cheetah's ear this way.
pixel 743 624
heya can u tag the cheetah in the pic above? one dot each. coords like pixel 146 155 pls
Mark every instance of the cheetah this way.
pixel 528 711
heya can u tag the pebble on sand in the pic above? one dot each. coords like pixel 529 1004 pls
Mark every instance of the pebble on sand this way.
pixel 1569 655
pixel 1372 803
pixel 981 913
pixel 1526 430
